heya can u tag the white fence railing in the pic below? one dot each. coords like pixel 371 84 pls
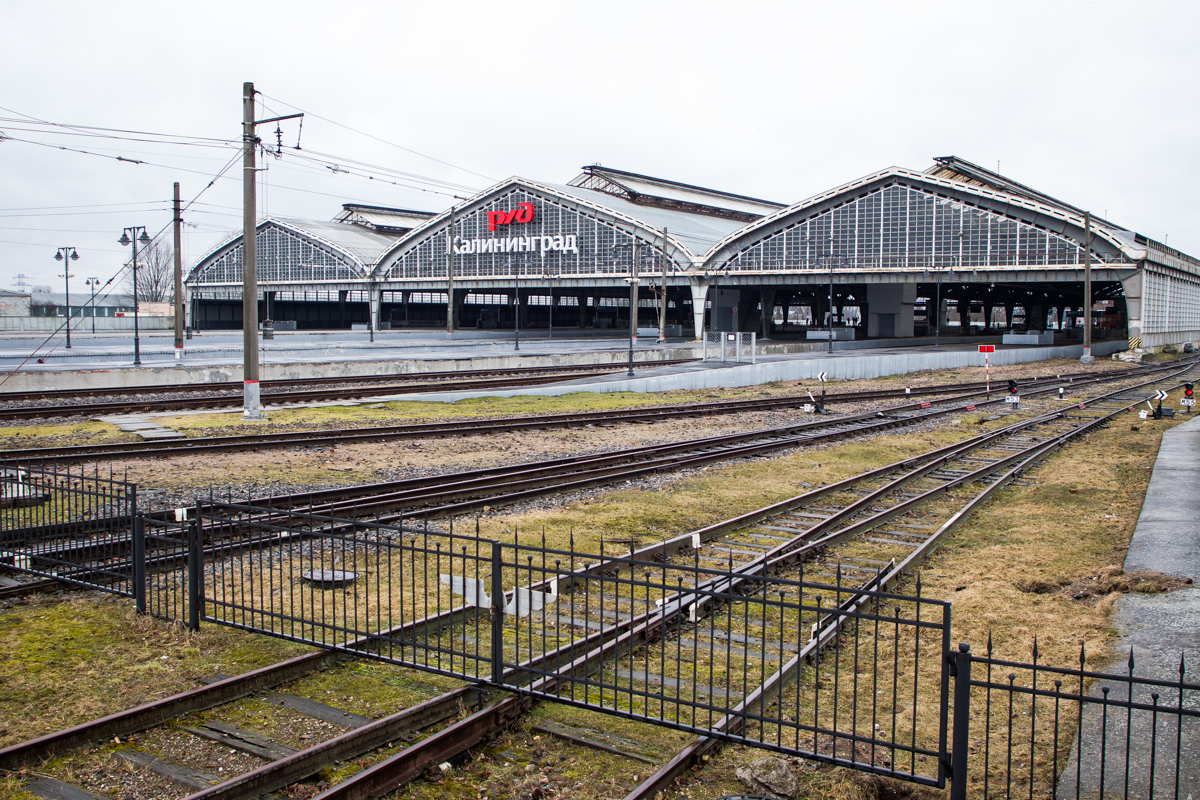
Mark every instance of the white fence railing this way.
pixel 84 324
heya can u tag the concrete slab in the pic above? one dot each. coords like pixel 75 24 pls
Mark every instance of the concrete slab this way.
pixel 158 434
pixel 1163 633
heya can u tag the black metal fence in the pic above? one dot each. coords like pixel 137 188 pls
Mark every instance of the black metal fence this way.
pixel 69 523
pixel 813 665
pixel 1033 730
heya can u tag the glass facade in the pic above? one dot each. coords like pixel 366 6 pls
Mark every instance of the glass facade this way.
pixel 1171 302
pixel 904 227
pixel 600 248
pixel 283 256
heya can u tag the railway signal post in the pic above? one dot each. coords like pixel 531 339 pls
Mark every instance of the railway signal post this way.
pixel 1014 398
pixel 987 368
pixel 1189 398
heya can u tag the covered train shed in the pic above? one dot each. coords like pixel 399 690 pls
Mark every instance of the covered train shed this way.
pixel 895 254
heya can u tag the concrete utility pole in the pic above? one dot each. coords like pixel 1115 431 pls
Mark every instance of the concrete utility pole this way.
pixel 1087 289
pixel 178 277
pixel 251 402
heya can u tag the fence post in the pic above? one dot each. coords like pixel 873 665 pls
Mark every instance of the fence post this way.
pixel 195 574
pixel 139 562
pixel 497 615
pixel 753 343
pixel 960 744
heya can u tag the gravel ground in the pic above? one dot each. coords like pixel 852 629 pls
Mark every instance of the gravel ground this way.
pixel 159 480
pixel 384 380
pixel 922 378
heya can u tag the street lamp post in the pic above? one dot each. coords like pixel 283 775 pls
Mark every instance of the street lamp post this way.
pixel 127 238
pixel 93 283
pixel 831 297
pixel 633 281
pixel 67 255
pixel 516 306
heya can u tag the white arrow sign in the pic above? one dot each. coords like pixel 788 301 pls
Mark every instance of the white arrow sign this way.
pixel 1160 395
pixel 823 377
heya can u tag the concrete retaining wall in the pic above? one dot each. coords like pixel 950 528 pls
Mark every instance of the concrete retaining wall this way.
pixel 106 324
pixel 838 367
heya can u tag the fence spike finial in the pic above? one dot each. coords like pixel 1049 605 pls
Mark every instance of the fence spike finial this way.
pixel 1082 654
pixel 1035 648
pixel 989 644
pixel 1131 659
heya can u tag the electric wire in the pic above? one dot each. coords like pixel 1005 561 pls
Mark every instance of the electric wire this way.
pixel 378 139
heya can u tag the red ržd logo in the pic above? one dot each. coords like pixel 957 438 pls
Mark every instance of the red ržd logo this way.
pixel 522 213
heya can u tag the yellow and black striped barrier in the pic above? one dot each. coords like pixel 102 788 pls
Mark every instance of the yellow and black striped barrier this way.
pixel 1135 342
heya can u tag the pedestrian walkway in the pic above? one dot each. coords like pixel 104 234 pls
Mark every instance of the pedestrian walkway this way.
pixel 1161 629
pixel 142 426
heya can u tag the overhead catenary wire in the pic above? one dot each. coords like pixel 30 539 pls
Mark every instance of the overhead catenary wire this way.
pixel 380 139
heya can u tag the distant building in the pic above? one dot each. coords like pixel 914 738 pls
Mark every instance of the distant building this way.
pixel 54 304
pixel 13 304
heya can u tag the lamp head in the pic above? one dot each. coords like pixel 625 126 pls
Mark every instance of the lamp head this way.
pixel 124 240
pixel 144 239
pixel 58 256
pixel 74 255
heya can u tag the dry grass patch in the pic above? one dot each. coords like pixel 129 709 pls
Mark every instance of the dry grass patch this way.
pixel 710 494
pixel 65 661
pixel 39 434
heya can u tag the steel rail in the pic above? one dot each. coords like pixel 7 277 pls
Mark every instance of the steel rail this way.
pixel 191 446
pixel 469 491
pixel 388 775
pixel 158 712
pixel 311 760
pixel 341 379
pixel 1042 448
pixel 506 485
pixel 699 750
pixel 273 398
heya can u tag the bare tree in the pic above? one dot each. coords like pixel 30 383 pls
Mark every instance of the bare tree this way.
pixel 155 275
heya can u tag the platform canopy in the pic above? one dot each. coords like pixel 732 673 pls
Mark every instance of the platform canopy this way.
pixel 304 251
pixel 596 225
pixel 901 220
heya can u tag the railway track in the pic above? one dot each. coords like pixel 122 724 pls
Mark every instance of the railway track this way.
pixel 290 383
pixel 456 494
pixel 221 444
pixel 628 631
pixel 277 392
pixel 465 492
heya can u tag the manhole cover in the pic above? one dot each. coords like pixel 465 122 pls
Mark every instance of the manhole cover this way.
pixel 330 578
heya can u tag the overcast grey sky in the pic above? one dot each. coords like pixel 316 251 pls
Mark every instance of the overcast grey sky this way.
pixel 1093 102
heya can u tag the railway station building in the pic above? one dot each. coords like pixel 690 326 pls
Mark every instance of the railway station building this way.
pixel 890 255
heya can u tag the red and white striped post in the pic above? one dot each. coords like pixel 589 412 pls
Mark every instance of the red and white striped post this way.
pixel 987 369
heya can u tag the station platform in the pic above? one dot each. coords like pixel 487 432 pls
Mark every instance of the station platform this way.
pixel 107 361
pixel 840 364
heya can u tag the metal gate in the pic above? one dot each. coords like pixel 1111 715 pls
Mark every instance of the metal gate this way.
pixel 817 666
pixel 68 523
